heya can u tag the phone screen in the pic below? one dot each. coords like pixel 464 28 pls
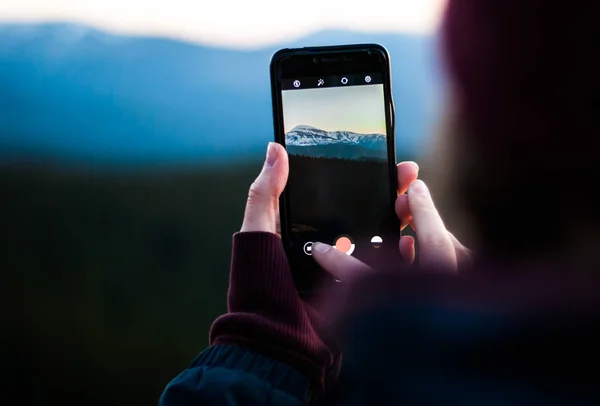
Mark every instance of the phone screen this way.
pixel 339 140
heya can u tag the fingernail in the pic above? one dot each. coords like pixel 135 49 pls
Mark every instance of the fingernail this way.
pixel 410 162
pixel 320 248
pixel 418 187
pixel 271 155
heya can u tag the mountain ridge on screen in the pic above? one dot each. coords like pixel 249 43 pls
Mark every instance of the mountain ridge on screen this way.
pixel 306 140
pixel 305 135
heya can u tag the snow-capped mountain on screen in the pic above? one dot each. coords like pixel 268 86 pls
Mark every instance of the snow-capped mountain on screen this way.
pixel 310 141
pixel 304 135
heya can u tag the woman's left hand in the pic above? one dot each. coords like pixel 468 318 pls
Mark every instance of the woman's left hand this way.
pixel 262 207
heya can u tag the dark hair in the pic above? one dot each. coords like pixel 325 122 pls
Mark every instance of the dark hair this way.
pixel 525 74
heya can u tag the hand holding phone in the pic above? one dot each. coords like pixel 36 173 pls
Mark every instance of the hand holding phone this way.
pixel 333 112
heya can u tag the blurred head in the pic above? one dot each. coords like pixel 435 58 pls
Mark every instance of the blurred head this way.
pixel 521 116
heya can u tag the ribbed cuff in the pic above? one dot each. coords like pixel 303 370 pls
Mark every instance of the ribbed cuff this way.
pixel 259 269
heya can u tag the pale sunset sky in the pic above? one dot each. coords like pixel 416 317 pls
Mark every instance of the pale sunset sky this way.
pixel 231 23
pixel 360 109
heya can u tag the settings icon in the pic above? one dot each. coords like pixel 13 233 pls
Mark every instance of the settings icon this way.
pixel 368 79
pixel 296 83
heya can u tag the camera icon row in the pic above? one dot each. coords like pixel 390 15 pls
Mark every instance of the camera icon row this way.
pixel 344 243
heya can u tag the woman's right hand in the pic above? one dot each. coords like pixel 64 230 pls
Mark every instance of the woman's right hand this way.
pixel 438 248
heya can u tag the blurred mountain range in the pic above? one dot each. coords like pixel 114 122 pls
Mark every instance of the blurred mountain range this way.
pixel 76 93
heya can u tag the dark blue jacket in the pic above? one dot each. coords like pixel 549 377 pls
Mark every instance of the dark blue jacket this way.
pixel 232 376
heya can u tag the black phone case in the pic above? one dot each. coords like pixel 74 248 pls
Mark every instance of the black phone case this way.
pixel 279 128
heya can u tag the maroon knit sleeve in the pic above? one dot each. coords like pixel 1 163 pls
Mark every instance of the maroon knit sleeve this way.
pixel 266 314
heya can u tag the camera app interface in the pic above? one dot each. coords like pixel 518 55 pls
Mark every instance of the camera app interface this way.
pixel 336 138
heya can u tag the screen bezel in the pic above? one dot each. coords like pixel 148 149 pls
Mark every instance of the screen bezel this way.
pixel 330 60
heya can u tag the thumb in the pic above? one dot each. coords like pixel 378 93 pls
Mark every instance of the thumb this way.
pixel 262 207
pixel 341 266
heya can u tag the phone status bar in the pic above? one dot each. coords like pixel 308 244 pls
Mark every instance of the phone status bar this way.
pixel 332 81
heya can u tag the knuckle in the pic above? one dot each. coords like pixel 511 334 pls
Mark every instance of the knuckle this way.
pixel 437 252
pixel 256 192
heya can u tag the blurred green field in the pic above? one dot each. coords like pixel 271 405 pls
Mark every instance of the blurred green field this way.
pixel 110 281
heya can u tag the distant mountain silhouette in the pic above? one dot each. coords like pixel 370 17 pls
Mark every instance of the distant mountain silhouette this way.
pixel 70 91
pixel 313 142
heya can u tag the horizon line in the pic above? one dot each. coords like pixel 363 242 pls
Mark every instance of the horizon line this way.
pixel 197 40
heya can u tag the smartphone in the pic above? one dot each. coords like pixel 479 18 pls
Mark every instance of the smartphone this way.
pixel 333 112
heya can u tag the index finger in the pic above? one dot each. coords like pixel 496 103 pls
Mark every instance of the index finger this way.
pixel 407 171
